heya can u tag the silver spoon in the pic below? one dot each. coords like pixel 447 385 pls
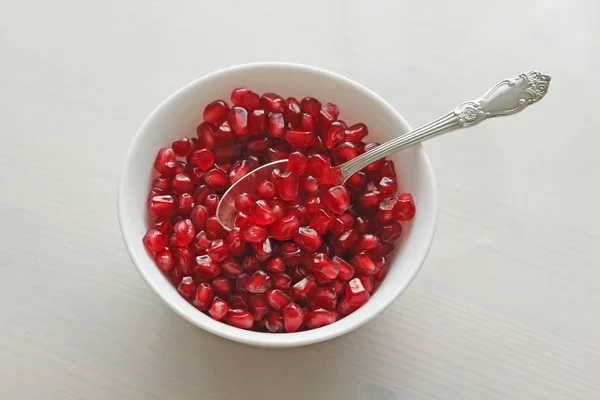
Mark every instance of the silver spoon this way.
pixel 507 97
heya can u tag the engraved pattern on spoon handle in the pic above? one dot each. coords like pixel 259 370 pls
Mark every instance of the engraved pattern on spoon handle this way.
pixel 506 98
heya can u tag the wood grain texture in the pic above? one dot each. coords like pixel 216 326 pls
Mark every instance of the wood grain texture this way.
pixel 506 305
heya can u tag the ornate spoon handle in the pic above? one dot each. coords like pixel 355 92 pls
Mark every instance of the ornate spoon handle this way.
pixel 507 97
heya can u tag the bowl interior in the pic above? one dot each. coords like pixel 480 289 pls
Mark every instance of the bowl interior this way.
pixel 179 115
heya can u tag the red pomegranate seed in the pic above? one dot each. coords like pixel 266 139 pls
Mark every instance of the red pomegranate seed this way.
pixel 357 181
pixel 272 103
pixel 238 120
pixel 219 309
pixel 311 106
pixel 390 231
pixel 257 123
pixel 207 268
pixel 277 299
pixel 308 239
pixel 259 282
pixel 326 118
pixel 201 193
pixel 292 111
pixel 164 260
pixel 281 281
pixel 266 190
pixel 224 135
pixel 258 306
pixel 216 179
pixel 343 152
pixel 239 318
pixel 319 166
pixel 276 126
pixel 201 243
pixel 184 232
pixel 377 164
pixel 324 297
pixel 388 169
pixel 366 243
pixel 218 250
pixel 223 286
pixel 242 220
pixel 362 225
pixel 299 139
pixel 346 270
pixel 344 241
pixel 287 186
pixel 334 135
pixel 263 251
pixel 309 185
pixel 175 276
pixel 216 112
pixel 246 98
pixel 231 268
pixel 356 133
pixel 204 296
pixel 227 154
pixel 155 240
pixel 214 229
pixel 182 184
pixel 319 317
pixel 293 317
pixel 321 221
pixel 262 214
pixel 165 162
pixel 274 322
pixel 387 187
pixel 187 287
pixel 198 216
pixel 385 211
pixel 180 167
pixel 405 208
pixel 203 159
pixel 162 183
pixel 363 264
pixel 356 294
pixel 251 263
pixel 182 147
pixel 211 202
pixel 254 234
pixel 184 259
pixel 235 241
pixel 164 225
pixel 239 301
pixel 345 308
pixel 278 207
pixel 313 204
pixel 206 135
pixel 275 265
pixel 367 282
pixel 337 199
pixel 244 203
pixel 322 266
pixel 185 204
pixel 369 200
pixel 303 288
pixel 297 163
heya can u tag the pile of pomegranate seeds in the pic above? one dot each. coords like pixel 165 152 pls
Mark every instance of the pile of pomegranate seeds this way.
pixel 305 251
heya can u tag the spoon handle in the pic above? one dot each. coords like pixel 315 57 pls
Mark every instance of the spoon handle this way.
pixel 507 97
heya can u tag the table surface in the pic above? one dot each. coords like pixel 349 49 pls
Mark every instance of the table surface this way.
pixel 506 305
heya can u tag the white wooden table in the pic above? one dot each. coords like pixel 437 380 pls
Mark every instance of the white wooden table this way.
pixel 505 307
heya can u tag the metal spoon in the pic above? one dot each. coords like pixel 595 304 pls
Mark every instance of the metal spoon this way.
pixel 507 97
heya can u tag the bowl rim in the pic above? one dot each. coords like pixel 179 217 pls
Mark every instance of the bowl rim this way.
pixel 282 340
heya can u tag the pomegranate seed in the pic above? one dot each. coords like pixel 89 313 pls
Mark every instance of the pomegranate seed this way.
pixel 254 233
pixel 182 184
pixel 344 241
pixel 207 268
pixel 387 187
pixel 277 299
pixel 276 126
pixel 319 167
pixel 325 297
pixel 385 211
pixel 198 216
pixel 258 306
pixel 313 204
pixel 201 193
pixel 337 199
pixel 293 317
pixel 278 208
pixel 164 260
pixel 262 214
pixel 204 296
pixel 345 308
pixel 357 181
pixel 334 135
pixel 322 266
pixel 362 225
pixel 214 229
pixel 162 206
pixel 251 263
pixel 405 208
pixel 343 152
pixel 238 120
pixel 185 204
pixel 326 118
pixel 309 185
pixel 224 135
pixel 369 200
pixel 272 103
pixel 183 258
pixel 231 268
pixel 184 232
pixel 299 139
pixel 155 240
pixel 390 231
pixel 218 251
pixel 319 317
pixel 321 221
pixel 377 164
pixel 162 183
pixel 259 282
pixel 363 264
pixel 216 112
pixel 239 318
pixel 308 239
pixel 203 159
pixel 201 243
pixel 367 282
pixel 263 251
pixel 303 288
pixel 242 220
pixel 223 286
pixel 298 272
pixel 235 241
pixel 266 190
pixel 165 162
pixel 219 309
pixel 164 225
pixel 388 170
pixel 292 111
pixel 239 301
pixel 257 124
pixel 281 281
pixel 227 154
pixel 244 203
pixel 297 163
pixel 187 287
pixel 287 186
pixel 356 133
pixel 311 106
pixel 275 265
pixel 346 270
pixel 216 179
pixel 211 202
pixel 206 136
pixel 307 123
pixel 274 322
pixel 365 243
pixel 182 147
pixel 246 98
pixel 356 294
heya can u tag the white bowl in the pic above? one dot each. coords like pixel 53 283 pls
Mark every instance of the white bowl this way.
pixel 179 115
